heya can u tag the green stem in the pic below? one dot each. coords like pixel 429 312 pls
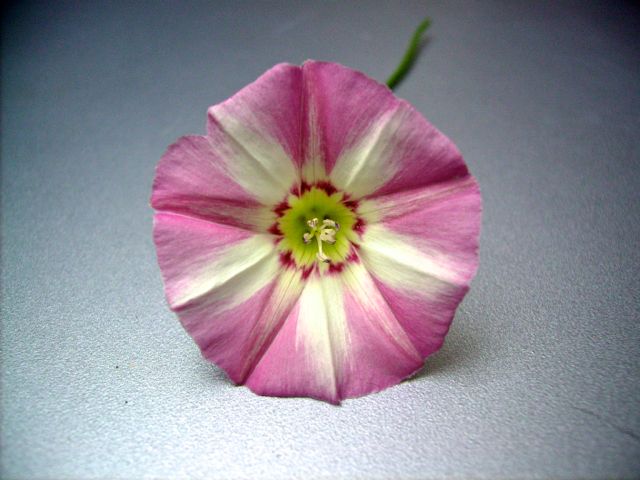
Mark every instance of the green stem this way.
pixel 409 56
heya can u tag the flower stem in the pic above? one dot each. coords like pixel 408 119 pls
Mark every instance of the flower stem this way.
pixel 409 55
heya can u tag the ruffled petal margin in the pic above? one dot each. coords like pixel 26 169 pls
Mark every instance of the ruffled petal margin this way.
pixel 332 336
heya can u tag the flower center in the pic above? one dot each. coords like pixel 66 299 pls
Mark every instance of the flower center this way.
pixel 317 227
pixel 322 233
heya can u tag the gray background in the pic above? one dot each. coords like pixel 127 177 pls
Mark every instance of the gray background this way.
pixel 539 376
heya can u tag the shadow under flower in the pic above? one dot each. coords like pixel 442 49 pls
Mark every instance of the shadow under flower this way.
pixel 210 373
pixel 458 353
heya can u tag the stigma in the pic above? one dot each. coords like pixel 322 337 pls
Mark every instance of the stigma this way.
pixel 324 232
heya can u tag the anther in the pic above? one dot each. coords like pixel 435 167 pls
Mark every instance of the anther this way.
pixel 328 235
pixel 327 222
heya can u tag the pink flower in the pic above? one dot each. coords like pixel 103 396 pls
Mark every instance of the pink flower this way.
pixel 317 241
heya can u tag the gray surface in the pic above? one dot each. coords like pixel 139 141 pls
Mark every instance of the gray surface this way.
pixel 540 374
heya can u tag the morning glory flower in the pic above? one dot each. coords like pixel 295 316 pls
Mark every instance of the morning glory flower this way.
pixel 319 238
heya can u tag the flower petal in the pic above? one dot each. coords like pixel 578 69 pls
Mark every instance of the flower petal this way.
pixel 226 286
pixel 431 230
pixel 191 179
pixel 423 254
pixel 235 335
pixel 198 258
pixel 300 360
pixel 368 141
pixel 382 354
pixel 259 131
pixel 341 340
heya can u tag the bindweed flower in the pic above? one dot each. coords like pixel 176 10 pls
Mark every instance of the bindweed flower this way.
pixel 317 241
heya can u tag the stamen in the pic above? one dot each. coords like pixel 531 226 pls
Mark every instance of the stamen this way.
pixel 328 235
pixel 323 233
pixel 323 258
pixel 331 224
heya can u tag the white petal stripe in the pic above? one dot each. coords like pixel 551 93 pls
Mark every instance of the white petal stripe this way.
pixel 322 329
pixel 254 160
pixel 407 263
pixel 234 274
pixel 366 166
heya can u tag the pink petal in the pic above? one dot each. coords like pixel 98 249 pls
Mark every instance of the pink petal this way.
pixel 226 286
pixel 249 158
pixel 423 254
pixel 260 130
pixel 342 105
pixel 371 142
pixel 382 354
pixel 443 218
pixel 235 336
pixel 270 107
pixel 340 341
pixel 198 257
pixel 191 179
pixel 426 319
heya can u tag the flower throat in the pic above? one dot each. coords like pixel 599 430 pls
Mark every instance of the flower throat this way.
pixel 317 227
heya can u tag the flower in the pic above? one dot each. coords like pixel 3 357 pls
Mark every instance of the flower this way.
pixel 318 240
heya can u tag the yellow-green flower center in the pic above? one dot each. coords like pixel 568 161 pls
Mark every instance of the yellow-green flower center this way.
pixel 317 227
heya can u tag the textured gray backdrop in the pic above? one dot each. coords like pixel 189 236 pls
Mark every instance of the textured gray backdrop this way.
pixel 539 376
